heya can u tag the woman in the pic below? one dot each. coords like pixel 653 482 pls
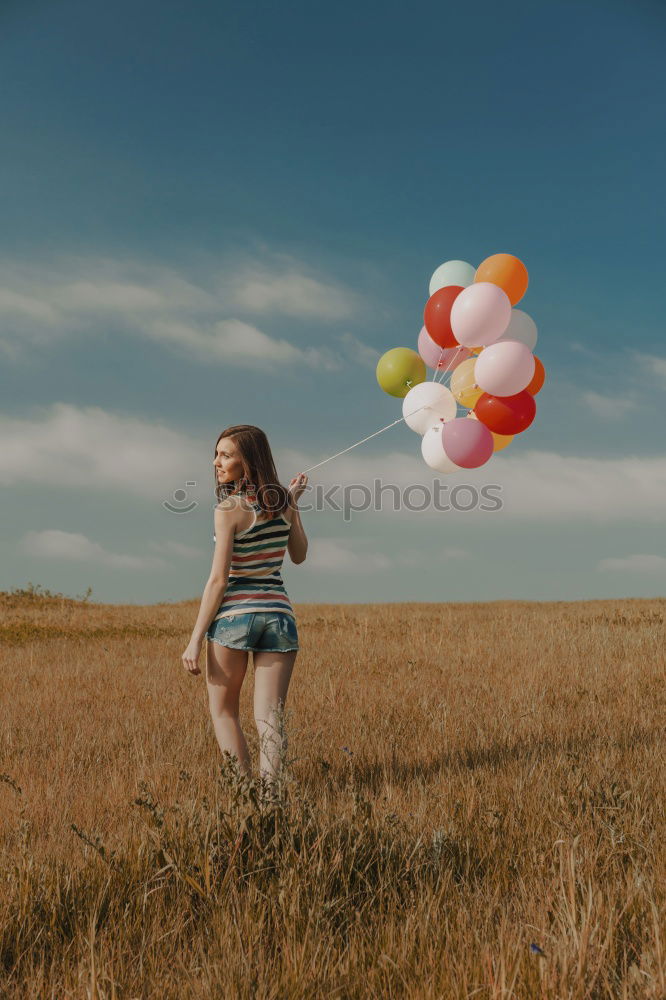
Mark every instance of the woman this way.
pixel 245 605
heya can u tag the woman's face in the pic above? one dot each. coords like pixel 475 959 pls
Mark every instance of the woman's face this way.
pixel 228 465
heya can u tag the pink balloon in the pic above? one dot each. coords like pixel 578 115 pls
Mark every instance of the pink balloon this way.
pixel 480 314
pixel 442 358
pixel 468 443
pixel 505 368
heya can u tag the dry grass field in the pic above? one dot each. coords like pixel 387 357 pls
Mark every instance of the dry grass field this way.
pixel 472 806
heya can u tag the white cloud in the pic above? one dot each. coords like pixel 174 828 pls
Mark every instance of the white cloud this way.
pixel 451 552
pixel 641 563
pixel 575 345
pixel 652 365
pixel 91 448
pixel 27 307
pixel 179 549
pixel 98 295
pixel 291 293
pixel 359 352
pixel 240 341
pixel 539 485
pixel 342 555
pixel 42 303
pixel 232 341
pixel 54 544
pixel 10 349
pixel 609 407
pixel 410 557
pixel 532 485
pixel 338 555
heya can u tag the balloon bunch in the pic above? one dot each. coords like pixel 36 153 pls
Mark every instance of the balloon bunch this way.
pixel 472 332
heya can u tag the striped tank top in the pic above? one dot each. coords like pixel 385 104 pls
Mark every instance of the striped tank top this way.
pixel 255 582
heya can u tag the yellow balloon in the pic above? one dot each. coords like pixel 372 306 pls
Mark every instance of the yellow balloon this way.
pixel 476 350
pixel 499 440
pixel 463 385
pixel 399 370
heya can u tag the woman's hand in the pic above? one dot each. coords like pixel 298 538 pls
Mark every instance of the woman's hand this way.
pixel 191 655
pixel 297 486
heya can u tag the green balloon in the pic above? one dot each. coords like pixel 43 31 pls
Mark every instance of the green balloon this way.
pixel 399 370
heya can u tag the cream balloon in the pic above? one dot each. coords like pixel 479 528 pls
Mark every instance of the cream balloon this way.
pixel 453 272
pixel 433 452
pixel 521 327
pixel 425 403
pixel 463 383
pixel 504 368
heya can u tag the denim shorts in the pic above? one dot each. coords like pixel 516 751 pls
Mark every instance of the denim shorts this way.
pixel 272 631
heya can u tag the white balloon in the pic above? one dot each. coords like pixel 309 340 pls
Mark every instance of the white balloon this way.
pixel 453 272
pixel 433 452
pixel 521 327
pixel 480 314
pixel 504 368
pixel 425 403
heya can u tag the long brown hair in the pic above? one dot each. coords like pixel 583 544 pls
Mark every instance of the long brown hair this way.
pixel 259 472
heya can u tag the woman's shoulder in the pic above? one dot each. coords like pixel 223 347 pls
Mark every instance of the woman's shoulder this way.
pixel 227 503
pixel 243 504
pixel 234 505
pixel 235 501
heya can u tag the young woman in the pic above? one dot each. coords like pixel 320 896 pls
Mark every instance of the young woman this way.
pixel 245 605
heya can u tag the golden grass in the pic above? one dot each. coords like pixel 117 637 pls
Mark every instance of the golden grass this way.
pixel 466 782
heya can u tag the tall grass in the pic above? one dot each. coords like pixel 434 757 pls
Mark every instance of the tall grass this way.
pixel 471 805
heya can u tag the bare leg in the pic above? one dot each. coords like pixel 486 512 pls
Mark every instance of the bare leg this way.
pixel 225 672
pixel 272 673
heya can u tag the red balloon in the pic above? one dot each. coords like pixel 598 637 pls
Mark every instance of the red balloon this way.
pixel 506 414
pixel 437 315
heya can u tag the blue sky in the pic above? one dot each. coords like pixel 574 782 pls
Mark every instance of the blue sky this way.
pixel 220 213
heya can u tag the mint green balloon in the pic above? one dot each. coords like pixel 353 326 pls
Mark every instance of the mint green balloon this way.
pixel 399 370
pixel 453 272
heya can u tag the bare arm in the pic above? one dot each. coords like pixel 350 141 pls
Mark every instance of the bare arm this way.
pixel 225 517
pixel 297 546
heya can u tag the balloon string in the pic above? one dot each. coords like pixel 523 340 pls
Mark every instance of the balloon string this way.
pixel 382 429
pixel 440 380
pixel 398 421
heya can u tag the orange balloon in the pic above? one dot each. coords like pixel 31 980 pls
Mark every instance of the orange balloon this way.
pixel 507 271
pixel 538 378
